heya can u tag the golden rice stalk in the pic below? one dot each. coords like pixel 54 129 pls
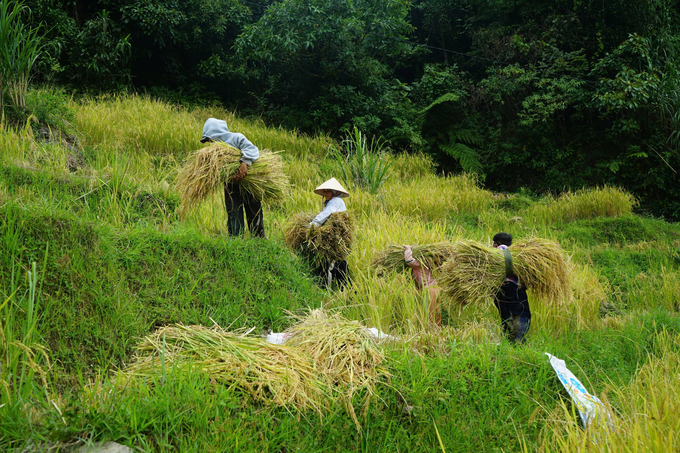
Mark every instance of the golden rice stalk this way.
pixel 343 352
pixel 267 372
pixel 431 256
pixel 475 272
pixel 206 170
pixel 332 241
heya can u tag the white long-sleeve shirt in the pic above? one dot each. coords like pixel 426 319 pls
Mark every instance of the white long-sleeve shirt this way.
pixel 335 204
pixel 217 131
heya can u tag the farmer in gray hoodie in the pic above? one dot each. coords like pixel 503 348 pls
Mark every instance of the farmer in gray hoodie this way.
pixel 237 202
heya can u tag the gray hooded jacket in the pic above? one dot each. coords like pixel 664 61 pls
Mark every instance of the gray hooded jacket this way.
pixel 217 131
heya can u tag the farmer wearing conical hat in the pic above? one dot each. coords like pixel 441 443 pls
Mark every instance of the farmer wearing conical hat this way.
pixel 511 299
pixel 237 202
pixel 333 194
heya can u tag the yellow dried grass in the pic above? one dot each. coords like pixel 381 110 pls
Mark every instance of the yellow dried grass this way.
pixel 476 272
pixel 431 256
pixel 343 352
pixel 329 242
pixel 272 374
pixel 208 169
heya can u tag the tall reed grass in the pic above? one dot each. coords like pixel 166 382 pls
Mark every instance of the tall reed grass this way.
pixel 583 204
pixel 431 198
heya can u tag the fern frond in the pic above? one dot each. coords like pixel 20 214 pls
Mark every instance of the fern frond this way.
pixel 468 136
pixel 468 157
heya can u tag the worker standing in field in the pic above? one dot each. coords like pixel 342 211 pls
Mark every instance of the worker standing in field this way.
pixel 332 193
pixel 424 281
pixel 511 299
pixel 237 202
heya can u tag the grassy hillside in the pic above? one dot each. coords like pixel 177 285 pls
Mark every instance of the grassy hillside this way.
pixel 93 257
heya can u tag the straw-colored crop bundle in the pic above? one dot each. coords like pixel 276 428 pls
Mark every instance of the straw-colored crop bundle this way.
pixel 475 272
pixel 342 351
pixel 267 372
pixel 431 256
pixel 331 241
pixel 207 169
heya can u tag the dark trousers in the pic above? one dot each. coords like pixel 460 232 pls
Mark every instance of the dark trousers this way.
pixel 513 306
pixel 239 204
pixel 334 272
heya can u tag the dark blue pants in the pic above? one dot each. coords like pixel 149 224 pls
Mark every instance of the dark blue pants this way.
pixel 239 204
pixel 513 306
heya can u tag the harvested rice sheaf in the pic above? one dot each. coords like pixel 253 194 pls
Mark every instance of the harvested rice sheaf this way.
pixel 475 272
pixel 431 256
pixel 269 373
pixel 343 352
pixel 329 242
pixel 208 169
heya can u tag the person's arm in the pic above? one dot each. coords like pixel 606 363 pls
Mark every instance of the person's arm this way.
pixel 334 205
pixel 408 257
pixel 249 152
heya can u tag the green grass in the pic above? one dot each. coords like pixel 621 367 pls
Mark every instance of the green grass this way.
pixel 114 262
pixel 104 288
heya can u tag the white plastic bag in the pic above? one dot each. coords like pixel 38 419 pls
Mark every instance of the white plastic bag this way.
pixel 379 334
pixel 590 408
pixel 277 338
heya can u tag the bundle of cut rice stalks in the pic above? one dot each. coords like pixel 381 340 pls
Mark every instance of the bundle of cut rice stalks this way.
pixel 332 241
pixel 432 256
pixel 475 272
pixel 207 169
pixel 268 373
pixel 343 352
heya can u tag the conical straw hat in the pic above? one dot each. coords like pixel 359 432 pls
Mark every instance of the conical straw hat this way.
pixel 332 184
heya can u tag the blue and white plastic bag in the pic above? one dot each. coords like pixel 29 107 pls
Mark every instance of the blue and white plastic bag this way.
pixel 590 408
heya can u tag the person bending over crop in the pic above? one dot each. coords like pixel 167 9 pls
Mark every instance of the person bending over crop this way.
pixel 237 202
pixel 424 280
pixel 511 299
pixel 333 194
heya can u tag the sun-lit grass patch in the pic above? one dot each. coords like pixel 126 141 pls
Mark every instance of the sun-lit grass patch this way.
pixel 435 198
pixel 583 204
pixel 579 311
pixel 658 290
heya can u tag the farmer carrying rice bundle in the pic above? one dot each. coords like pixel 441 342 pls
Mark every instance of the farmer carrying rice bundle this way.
pixel 234 164
pixel 423 260
pixel 432 256
pixel 422 275
pixel 476 272
pixel 511 300
pixel 327 237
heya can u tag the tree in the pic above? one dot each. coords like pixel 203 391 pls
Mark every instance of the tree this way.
pixel 327 65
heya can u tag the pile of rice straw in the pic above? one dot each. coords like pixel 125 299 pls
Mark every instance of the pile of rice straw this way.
pixel 475 272
pixel 431 256
pixel 332 241
pixel 269 373
pixel 207 169
pixel 343 352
